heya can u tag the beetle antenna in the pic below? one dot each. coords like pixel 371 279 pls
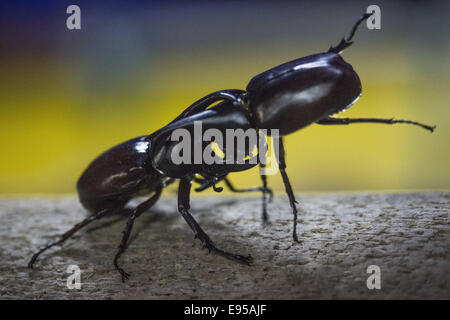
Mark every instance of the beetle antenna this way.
pixel 345 43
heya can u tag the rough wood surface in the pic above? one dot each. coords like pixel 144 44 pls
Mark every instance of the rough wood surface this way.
pixel 406 235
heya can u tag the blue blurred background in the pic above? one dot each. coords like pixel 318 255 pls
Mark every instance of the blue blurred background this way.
pixel 68 95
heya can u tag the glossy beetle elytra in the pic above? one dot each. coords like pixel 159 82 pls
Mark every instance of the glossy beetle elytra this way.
pixel 288 97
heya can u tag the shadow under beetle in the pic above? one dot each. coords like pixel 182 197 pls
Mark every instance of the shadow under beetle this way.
pixel 288 97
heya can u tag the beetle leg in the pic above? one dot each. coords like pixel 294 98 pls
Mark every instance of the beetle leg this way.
pixel 216 189
pixel 330 120
pixel 205 184
pixel 184 206
pixel 168 182
pixel 287 185
pixel 69 233
pixel 265 216
pixel 264 189
pixel 144 206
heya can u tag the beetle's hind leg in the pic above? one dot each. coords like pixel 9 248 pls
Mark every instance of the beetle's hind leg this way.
pixel 69 233
pixel 183 207
pixel 144 206
pixel 345 43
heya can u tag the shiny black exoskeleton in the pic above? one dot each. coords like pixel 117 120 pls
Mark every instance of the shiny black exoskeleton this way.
pixel 288 98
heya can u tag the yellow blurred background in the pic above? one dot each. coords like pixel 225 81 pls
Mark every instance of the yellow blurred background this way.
pixel 67 96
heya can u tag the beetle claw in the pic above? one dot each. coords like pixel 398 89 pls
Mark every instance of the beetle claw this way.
pixel 125 275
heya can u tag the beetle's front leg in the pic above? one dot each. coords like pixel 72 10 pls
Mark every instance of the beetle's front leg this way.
pixel 183 207
pixel 287 185
pixel 331 120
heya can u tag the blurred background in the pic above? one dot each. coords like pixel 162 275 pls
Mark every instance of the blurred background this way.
pixel 68 95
